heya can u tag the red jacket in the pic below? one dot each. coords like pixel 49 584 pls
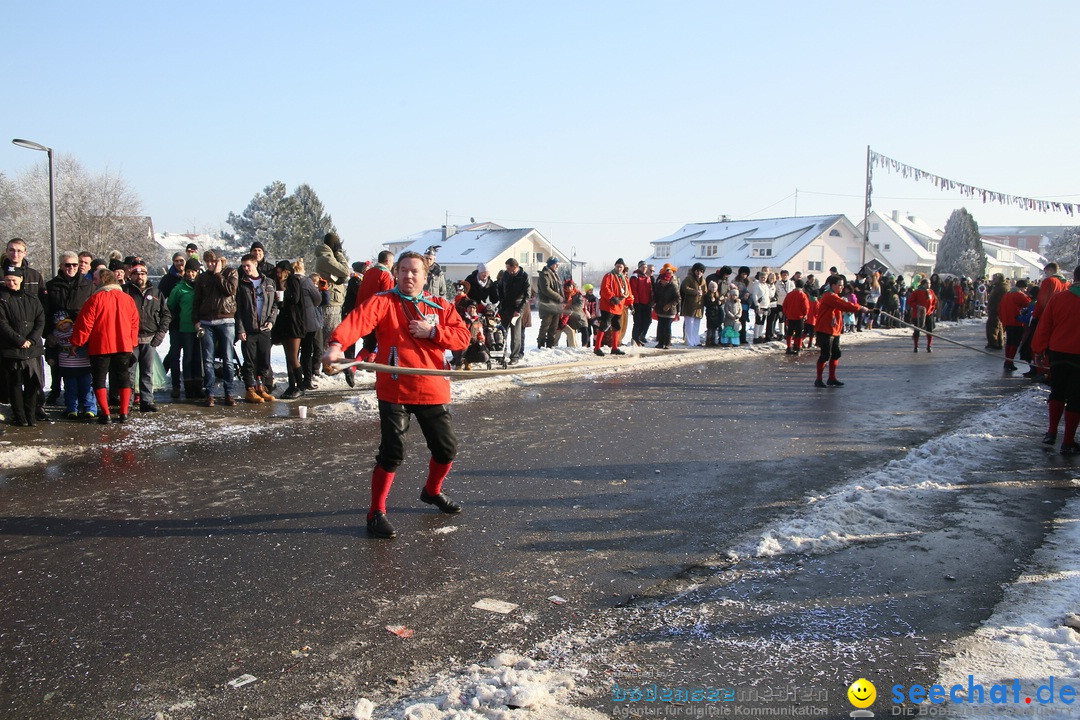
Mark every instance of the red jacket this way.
pixel 1059 327
pixel 641 288
pixel 1049 287
pixel 922 299
pixel 1011 306
pixel 615 293
pixel 388 315
pixel 830 314
pixel 107 323
pixel 376 280
pixel 811 313
pixel 796 305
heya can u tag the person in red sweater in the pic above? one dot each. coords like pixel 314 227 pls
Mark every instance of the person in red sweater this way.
pixel 796 307
pixel 615 296
pixel 1058 335
pixel 377 279
pixel 1050 286
pixel 923 304
pixel 1014 303
pixel 641 285
pixel 830 322
pixel 108 326
pixel 414 330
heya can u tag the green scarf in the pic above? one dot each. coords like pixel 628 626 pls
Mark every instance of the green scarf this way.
pixel 417 300
pixel 1075 289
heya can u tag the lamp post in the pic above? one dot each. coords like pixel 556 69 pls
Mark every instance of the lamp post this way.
pixel 29 144
pixel 573 262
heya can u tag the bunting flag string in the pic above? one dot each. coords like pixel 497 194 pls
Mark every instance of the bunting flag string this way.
pixel 907 171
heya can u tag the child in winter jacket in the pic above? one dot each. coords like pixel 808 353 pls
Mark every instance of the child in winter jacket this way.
pixel 732 312
pixel 714 315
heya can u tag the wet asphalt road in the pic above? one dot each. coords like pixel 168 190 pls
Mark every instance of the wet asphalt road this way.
pixel 140 581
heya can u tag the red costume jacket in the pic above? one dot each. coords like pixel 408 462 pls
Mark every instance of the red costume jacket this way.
pixel 107 323
pixel 830 313
pixel 922 299
pixel 389 314
pixel 1049 287
pixel 1059 327
pixel 1011 306
pixel 796 305
pixel 376 280
pixel 615 286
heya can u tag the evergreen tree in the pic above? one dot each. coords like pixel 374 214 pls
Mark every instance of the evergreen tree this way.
pixel 288 226
pixel 960 251
pixel 1065 248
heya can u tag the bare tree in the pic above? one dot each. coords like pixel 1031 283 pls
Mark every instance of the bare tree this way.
pixel 98 213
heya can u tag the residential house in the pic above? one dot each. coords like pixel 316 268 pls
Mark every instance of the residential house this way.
pixel 462 248
pixel 1012 262
pixel 1033 238
pixel 908 242
pixel 808 244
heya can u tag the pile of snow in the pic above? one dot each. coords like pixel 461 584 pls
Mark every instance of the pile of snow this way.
pixel 901 497
pixel 507 686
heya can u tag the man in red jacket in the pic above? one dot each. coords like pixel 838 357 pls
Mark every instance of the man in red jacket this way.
pixel 923 304
pixel 796 307
pixel 108 325
pixel 830 322
pixel 615 297
pixel 1051 285
pixel 1009 309
pixel 414 330
pixel 1058 334
pixel 641 283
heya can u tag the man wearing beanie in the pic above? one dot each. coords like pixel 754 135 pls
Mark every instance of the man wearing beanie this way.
pixel 261 263
pixel 615 296
pixel 333 267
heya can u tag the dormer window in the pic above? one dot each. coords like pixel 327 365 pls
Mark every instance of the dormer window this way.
pixel 710 250
pixel 761 250
pixel 663 251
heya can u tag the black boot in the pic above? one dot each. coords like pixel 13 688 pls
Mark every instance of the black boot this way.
pixel 295 379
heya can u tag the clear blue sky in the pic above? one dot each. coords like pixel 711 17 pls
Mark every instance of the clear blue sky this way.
pixel 603 124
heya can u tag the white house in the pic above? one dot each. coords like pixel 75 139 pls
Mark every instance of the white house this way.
pixel 461 249
pixel 808 244
pixel 1012 262
pixel 908 243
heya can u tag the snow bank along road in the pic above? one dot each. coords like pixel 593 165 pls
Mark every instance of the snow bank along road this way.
pixel 695 521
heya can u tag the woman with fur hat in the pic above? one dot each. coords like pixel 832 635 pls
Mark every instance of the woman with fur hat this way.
pixel 665 302
pixel 693 291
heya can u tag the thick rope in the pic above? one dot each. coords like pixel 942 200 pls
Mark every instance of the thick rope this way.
pixel 335 368
pixel 941 337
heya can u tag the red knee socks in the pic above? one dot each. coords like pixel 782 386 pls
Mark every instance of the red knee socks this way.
pixel 437 472
pixel 381 480
pixel 1072 419
pixel 102 395
pixel 125 400
pixel 832 369
pixel 1057 407
pixel 599 340
pixel 820 369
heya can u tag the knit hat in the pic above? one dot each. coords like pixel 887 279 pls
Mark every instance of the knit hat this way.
pixel 192 264
pixel 14 270
pixel 587 287
pixel 116 265
pixel 620 261
pixel 358 266
pixel 481 267
pixel 552 261
pixel 259 245
pixel 284 265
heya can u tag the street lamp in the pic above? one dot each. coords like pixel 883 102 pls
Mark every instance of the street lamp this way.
pixel 31 145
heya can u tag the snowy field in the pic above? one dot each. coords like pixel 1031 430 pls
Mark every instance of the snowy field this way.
pixel 1025 637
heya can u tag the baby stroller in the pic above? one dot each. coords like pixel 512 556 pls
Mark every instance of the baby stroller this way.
pixel 477 352
pixel 494 336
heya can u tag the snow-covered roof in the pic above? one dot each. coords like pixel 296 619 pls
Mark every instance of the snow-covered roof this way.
pixel 176 242
pixel 735 239
pixel 905 229
pixel 464 246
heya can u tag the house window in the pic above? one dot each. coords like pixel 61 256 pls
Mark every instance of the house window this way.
pixel 524 257
pixel 761 251
pixel 539 258
pixel 710 250
pixel 887 247
pixel 815 266
pixel 663 251
pixel 835 233
pixel 874 227
pixel 466 252
pixel 931 246
pixel 877 246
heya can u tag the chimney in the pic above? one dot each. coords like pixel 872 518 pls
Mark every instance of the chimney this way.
pixel 448 231
pixel 896 215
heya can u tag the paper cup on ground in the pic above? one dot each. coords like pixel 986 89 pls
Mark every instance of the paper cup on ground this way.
pixel 301 410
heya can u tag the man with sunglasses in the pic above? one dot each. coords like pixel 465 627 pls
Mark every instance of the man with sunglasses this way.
pixel 64 295
pixel 154 318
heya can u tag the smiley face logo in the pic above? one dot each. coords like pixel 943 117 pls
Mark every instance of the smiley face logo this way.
pixel 862 693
